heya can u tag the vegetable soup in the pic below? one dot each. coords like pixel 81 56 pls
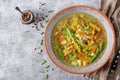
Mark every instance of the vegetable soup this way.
pixel 78 39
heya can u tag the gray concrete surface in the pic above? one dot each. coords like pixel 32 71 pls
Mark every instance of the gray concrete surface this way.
pixel 18 59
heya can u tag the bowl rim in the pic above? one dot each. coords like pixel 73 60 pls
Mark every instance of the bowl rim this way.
pixel 73 6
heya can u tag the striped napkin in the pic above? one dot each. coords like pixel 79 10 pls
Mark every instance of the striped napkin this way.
pixel 112 9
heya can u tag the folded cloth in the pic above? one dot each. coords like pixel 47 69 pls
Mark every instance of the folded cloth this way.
pixel 112 9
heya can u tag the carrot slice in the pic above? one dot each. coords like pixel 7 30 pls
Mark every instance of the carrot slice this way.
pixel 73 46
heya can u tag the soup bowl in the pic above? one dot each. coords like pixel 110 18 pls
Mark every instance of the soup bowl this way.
pixel 107 26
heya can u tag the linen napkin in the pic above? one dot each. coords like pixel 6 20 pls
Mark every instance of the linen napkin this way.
pixel 112 9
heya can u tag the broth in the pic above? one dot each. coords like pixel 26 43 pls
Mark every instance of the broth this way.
pixel 78 39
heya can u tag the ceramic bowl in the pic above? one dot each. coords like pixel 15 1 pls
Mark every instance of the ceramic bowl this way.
pixel 29 14
pixel 110 39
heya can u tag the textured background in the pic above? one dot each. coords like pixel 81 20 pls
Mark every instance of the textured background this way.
pixel 18 59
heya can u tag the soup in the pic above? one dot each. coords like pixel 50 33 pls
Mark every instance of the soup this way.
pixel 78 39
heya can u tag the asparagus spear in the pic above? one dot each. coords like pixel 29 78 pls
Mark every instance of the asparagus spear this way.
pixel 73 39
pixel 97 51
pixel 93 58
pixel 59 49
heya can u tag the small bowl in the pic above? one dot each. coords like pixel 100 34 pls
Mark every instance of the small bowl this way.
pixel 27 17
pixel 110 39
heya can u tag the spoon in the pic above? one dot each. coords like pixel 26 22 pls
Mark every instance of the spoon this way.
pixel 18 9
pixel 27 14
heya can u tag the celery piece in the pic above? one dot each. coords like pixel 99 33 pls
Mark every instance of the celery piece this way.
pixel 94 26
